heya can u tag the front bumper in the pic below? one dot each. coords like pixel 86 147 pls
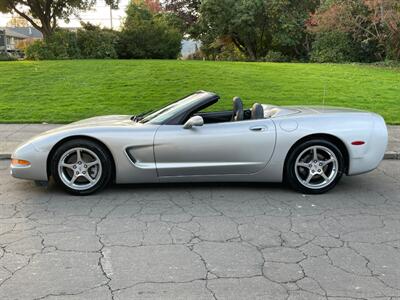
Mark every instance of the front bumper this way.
pixel 37 170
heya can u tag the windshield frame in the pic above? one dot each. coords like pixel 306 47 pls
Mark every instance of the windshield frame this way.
pixel 189 104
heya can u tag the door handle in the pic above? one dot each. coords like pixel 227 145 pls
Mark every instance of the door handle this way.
pixel 258 128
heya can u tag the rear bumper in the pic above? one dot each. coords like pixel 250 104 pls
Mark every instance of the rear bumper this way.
pixel 374 151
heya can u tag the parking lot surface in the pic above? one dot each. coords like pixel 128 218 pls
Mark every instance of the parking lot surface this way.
pixel 203 241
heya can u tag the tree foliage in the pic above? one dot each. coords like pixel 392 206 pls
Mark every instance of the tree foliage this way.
pixel 256 27
pixel 334 47
pixel 371 23
pixel 244 22
pixel 186 10
pixel 280 30
pixel 43 14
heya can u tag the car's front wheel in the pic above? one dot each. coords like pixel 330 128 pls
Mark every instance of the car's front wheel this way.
pixel 81 166
pixel 314 167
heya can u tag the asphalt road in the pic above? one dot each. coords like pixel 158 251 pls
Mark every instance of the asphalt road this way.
pixel 229 241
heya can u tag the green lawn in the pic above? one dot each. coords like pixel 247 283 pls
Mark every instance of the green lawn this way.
pixel 65 91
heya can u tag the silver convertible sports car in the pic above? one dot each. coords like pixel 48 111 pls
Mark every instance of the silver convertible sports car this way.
pixel 310 148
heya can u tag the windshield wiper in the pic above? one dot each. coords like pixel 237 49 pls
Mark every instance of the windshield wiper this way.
pixel 141 116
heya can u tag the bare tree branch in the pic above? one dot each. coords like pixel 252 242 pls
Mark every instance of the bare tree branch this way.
pixel 25 16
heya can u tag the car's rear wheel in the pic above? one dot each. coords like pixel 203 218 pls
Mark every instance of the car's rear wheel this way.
pixel 81 166
pixel 314 167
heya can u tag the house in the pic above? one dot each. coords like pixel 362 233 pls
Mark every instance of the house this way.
pixel 30 32
pixel 10 36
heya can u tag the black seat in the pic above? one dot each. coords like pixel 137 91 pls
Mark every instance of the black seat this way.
pixel 237 112
pixel 257 111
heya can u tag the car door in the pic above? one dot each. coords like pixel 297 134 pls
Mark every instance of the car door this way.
pixel 243 147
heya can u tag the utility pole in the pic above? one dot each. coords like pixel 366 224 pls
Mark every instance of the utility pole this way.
pixel 111 17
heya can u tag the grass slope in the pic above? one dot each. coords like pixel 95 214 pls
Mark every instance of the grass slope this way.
pixel 65 91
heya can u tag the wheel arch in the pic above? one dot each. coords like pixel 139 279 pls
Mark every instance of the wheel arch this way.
pixel 74 137
pixel 324 136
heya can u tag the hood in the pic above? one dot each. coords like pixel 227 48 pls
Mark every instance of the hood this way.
pixel 112 120
pixel 108 121
pixel 93 123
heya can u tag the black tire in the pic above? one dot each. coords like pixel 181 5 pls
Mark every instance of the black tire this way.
pixel 103 155
pixel 290 166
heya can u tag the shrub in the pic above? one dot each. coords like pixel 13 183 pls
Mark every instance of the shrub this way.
pixel 94 42
pixel 38 50
pixel 276 56
pixel 388 63
pixel 148 35
pixel 88 42
pixel 334 47
pixel 61 45
pixel 4 56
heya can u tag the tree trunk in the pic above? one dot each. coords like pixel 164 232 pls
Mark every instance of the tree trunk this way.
pixel 47 30
pixel 244 48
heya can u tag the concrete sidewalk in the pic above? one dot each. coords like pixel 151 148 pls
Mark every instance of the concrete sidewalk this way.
pixel 11 135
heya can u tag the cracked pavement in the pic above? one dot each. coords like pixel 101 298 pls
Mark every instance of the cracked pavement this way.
pixel 202 241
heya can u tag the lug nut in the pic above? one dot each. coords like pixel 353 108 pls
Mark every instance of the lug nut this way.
pixel 83 172
pixel 74 167
pixel 77 173
pixel 85 166
pixel 319 170
pixel 320 164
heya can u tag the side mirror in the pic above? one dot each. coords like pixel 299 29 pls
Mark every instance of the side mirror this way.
pixel 194 121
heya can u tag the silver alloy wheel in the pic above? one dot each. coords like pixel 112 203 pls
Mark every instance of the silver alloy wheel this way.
pixel 316 167
pixel 79 168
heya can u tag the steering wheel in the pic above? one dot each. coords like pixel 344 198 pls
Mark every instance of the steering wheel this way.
pixel 237 112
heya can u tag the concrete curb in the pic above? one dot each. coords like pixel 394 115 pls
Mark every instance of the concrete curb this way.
pixel 392 155
pixel 388 155
pixel 5 156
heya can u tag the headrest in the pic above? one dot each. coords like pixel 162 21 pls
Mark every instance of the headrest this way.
pixel 237 103
pixel 257 111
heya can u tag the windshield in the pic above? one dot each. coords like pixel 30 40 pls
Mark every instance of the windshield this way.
pixel 159 116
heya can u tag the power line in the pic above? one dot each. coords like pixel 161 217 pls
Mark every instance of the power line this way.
pixel 78 19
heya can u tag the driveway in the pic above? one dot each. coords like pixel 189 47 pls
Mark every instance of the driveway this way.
pixel 209 241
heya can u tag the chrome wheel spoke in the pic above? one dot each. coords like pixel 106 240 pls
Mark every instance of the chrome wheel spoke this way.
pixel 324 176
pixel 73 179
pixel 327 162
pixel 69 166
pixel 78 155
pixel 309 177
pixel 92 163
pixel 88 177
pixel 303 164
pixel 315 153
